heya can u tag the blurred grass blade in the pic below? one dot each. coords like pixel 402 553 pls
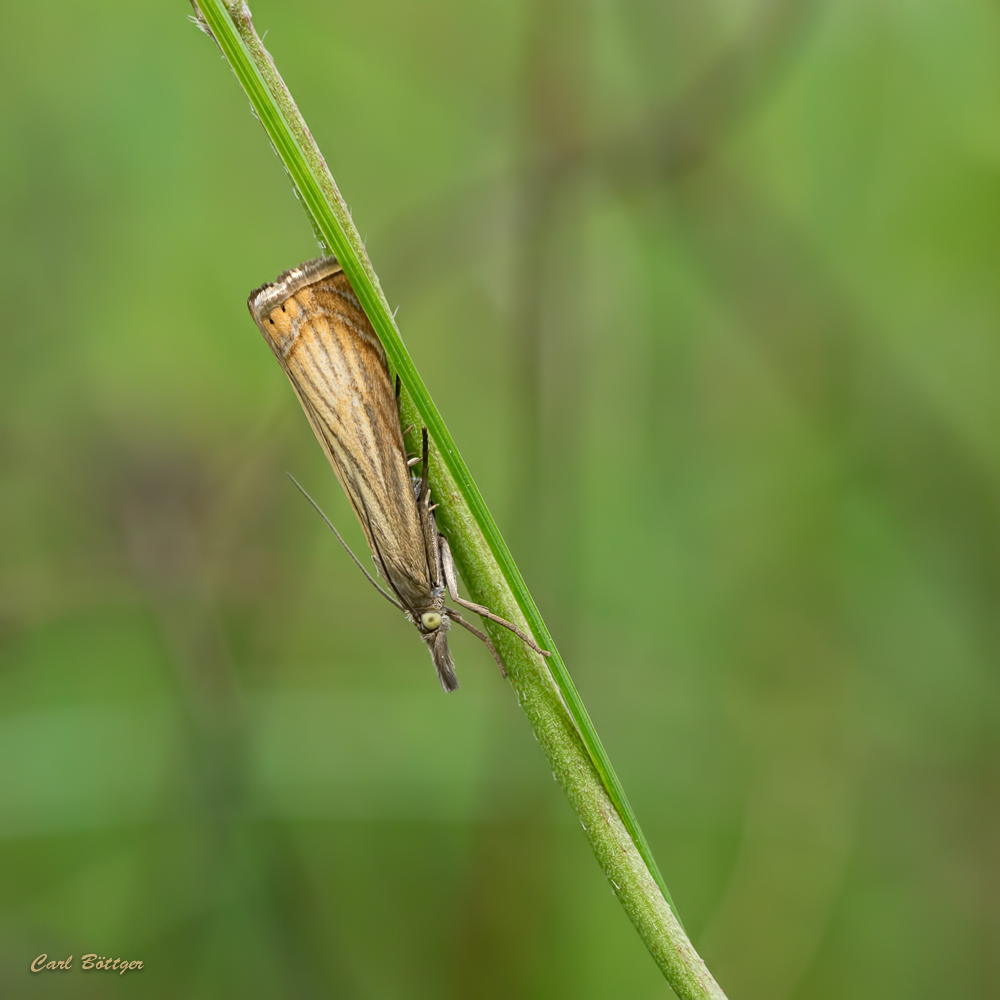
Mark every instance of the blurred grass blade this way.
pixel 232 28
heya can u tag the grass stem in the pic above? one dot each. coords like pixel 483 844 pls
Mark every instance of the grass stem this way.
pixel 545 690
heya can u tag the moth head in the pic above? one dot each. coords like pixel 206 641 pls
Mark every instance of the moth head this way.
pixel 430 621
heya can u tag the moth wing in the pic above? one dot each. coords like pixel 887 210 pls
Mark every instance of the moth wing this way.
pixel 337 366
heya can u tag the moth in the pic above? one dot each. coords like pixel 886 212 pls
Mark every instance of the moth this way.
pixel 318 331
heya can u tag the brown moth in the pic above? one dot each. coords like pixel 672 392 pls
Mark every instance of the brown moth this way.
pixel 318 331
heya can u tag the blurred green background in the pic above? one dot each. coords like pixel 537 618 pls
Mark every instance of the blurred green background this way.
pixel 707 293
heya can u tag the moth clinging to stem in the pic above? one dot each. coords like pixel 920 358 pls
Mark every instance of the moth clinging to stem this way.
pixel 318 331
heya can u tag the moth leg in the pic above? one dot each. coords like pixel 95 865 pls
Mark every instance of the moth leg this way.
pixel 424 486
pixel 448 566
pixel 456 617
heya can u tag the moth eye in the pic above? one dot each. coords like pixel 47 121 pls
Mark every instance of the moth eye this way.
pixel 430 620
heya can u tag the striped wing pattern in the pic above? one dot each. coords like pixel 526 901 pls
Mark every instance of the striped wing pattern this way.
pixel 318 331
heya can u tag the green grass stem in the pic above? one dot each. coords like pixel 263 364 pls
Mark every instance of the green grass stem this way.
pixel 544 688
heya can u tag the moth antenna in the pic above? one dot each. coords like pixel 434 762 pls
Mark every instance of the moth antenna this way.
pixel 457 618
pixel 448 565
pixel 392 600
